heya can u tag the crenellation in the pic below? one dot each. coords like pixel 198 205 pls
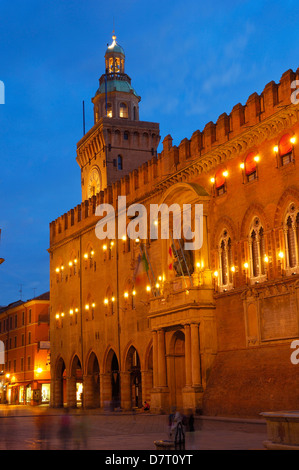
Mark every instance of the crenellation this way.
pixel 184 150
pixel 209 135
pixel 237 118
pixel 270 95
pixel 196 144
pixel 167 143
pixel 284 90
pixel 252 109
pixel 222 128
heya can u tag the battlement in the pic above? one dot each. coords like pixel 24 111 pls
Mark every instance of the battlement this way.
pixel 143 180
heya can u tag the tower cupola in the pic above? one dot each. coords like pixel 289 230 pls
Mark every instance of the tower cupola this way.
pixel 115 97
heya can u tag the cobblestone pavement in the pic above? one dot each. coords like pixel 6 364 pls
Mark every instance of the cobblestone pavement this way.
pixel 25 428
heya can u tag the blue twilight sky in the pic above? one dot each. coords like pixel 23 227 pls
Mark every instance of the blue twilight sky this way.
pixel 189 60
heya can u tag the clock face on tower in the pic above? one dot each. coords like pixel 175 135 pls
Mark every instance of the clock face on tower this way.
pixel 94 183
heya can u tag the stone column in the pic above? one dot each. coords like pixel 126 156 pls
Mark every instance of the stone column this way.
pixel 146 384
pixel 57 399
pixel 195 353
pixel 162 379
pixel 88 391
pixel 106 391
pixel 71 392
pixel 125 391
pixel 155 358
pixel 188 361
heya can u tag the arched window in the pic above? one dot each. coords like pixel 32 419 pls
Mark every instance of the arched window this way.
pixel 109 110
pixel 291 234
pixel 117 65
pixel 109 301
pixel 250 166
pixel 111 69
pixel 220 182
pixel 119 162
pixel 123 110
pixel 257 251
pixel 225 261
pixel 285 149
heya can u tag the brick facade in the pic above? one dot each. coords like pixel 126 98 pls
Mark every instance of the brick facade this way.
pixel 172 344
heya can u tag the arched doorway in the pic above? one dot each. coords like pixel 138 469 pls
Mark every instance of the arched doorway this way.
pixel 92 382
pixel 133 366
pixel 59 384
pixel 177 367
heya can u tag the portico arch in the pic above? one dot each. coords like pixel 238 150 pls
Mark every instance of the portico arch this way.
pixel 132 365
pixel 75 383
pixel 110 383
pixel 92 382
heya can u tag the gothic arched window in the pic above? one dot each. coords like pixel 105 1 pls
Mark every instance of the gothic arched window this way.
pixel 291 235
pixel 225 261
pixel 257 251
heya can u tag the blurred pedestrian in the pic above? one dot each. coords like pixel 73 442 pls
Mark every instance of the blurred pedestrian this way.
pixel 65 430
pixel 170 422
pixel 41 422
pixel 146 406
pixel 81 432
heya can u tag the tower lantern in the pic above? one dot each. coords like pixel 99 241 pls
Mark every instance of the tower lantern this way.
pixel 115 98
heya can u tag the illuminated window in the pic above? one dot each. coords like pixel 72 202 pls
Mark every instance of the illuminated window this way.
pixel 123 110
pixel 220 183
pixel 291 234
pixel 109 110
pixel 285 149
pixel 257 251
pixel 225 262
pixel 251 166
pixel 117 65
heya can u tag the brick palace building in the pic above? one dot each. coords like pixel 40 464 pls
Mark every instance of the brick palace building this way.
pixel 25 354
pixel 210 329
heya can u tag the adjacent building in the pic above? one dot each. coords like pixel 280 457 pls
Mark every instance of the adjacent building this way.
pixel 141 319
pixel 25 352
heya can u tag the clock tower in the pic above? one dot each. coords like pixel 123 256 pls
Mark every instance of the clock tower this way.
pixel 118 142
